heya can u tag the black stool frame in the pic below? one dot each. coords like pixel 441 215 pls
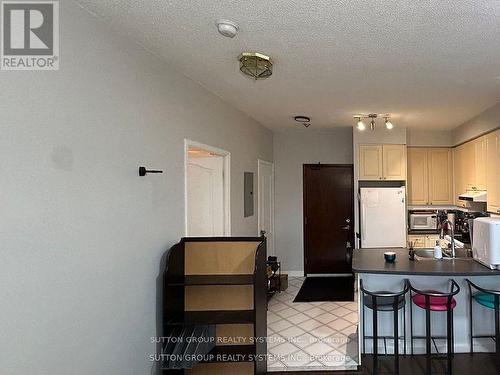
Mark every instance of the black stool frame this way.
pixel 454 290
pixel 496 299
pixel 395 311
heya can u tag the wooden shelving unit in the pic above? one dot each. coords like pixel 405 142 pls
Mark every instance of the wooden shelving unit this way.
pixel 212 288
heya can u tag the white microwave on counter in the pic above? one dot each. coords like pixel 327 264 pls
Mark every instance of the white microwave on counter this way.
pixel 423 220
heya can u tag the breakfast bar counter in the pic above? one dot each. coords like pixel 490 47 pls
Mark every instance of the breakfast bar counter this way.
pixel 378 275
pixel 372 261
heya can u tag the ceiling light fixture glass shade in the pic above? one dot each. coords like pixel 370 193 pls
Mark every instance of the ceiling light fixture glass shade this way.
pixel 360 125
pixel 388 124
pixel 256 65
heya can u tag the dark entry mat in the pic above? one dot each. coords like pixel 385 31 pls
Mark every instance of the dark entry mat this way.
pixel 318 289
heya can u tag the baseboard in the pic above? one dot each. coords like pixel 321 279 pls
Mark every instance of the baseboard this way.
pixel 294 273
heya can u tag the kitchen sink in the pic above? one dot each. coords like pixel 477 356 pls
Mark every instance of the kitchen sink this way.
pixel 428 254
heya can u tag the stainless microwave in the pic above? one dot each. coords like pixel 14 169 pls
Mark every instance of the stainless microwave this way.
pixel 423 220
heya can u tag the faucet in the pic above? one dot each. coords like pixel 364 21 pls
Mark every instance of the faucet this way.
pixel 452 235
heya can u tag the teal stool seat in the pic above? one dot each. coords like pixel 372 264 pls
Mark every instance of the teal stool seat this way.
pixel 485 299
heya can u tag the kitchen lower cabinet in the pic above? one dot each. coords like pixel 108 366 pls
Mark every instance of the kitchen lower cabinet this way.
pixel 430 240
pixel 418 241
pixel 424 240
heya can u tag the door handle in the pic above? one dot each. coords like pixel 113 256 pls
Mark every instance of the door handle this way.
pixel 348 253
pixel 348 226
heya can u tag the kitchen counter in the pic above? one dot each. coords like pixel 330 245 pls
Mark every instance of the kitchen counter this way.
pixel 421 232
pixel 427 274
pixel 372 261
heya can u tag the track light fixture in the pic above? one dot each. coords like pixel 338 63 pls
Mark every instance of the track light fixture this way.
pixel 360 125
pixel 388 124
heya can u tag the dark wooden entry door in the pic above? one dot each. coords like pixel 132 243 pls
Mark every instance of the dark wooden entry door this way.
pixel 328 218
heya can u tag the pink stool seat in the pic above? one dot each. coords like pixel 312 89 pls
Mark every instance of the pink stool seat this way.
pixel 437 303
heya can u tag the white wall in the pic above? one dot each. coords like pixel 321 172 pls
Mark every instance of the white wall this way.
pixel 81 234
pixel 292 149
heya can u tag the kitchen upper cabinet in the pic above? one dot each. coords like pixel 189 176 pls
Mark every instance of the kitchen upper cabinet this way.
pixel 459 173
pixel 394 162
pixel 370 162
pixel 479 182
pixel 418 176
pixel 430 176
pixel 440 176
pixel 382 162
pixel 492 171
pixel 470 167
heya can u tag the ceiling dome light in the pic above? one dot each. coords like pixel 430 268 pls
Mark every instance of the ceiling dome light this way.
pixel 256 65
pixel 388 124
pixel 304 120
pixel 360 125
pixel 227 28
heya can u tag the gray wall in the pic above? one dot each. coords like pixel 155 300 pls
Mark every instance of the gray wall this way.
pixel 478 125
pixel 81 234
pixel 429 138
pixel 292 149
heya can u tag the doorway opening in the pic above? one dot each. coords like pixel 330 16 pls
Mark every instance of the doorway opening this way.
pixel 265 199
pixel 207 190
pixel 318 330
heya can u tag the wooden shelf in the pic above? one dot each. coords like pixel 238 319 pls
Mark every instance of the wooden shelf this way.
pixel 215 317
pixel 214 280
pixel 197 297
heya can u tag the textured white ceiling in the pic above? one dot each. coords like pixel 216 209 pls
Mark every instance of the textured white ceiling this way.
pixel 432 64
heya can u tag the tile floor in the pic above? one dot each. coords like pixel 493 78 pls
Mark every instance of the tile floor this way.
pixel 311 336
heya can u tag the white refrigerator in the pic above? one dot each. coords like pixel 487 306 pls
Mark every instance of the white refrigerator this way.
pixel 383 217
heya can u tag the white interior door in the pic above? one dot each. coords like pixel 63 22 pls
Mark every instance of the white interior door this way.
pixel 266 203
pixel 205 196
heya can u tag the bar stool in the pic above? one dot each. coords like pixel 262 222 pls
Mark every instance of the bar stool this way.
pixel 432 300
pixel 491 300
pixel 383 301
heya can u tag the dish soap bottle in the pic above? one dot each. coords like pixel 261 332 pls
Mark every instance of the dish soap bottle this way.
pixel 438 252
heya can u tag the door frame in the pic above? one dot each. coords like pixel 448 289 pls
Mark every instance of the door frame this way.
pixel 226 155
pixel 304 202
pixel 259 197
